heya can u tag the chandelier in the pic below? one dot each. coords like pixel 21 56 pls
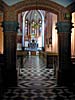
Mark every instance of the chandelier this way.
pixel 34 23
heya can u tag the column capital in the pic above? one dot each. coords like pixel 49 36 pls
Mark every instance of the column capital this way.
pixel 64 27
pixel 10 26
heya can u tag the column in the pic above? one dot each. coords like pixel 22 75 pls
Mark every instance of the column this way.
pixel 10 32
pixel 64 72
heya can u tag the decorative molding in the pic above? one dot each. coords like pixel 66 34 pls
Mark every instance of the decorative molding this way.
pixel 1 16
pixel 64 27
pixel 10 26
pixel 67 16
pixel 3 6
pixel 45 5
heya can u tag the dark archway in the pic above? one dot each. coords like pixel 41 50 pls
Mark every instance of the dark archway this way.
pixel 47 6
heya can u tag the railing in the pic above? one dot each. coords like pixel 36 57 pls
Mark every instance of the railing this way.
pixel 51 60
pixel 22 55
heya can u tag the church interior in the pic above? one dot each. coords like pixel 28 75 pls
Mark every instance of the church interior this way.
pixel 37 50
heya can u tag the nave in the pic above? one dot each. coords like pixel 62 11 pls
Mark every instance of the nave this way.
pixel 36 82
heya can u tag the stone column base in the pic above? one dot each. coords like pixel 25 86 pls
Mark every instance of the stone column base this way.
pixel 64 78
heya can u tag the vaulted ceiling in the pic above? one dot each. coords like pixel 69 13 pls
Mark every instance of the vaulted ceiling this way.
pixel 64 3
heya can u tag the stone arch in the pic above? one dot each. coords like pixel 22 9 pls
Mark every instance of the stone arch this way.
pixel 45 5
pixel 31 5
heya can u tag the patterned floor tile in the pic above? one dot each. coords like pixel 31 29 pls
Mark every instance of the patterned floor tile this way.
pixel 36 82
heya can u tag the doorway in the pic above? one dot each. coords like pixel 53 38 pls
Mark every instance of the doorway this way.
pixel 37 31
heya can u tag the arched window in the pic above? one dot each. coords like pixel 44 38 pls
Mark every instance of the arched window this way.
pixel 33 27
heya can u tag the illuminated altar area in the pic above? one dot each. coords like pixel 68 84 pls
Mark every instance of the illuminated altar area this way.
pixel 37 25
pixel 31 30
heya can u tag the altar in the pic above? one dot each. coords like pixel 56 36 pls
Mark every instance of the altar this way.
pixel 32 47
pixel 33 53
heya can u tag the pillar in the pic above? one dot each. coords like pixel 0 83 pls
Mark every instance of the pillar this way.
pixel 64 73
pixel 10 72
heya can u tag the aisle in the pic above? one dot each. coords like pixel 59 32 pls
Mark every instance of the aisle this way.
pixel 35 74
pixel 36 82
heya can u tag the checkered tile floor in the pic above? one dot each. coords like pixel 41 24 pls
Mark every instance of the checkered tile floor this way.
pixel 36 82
